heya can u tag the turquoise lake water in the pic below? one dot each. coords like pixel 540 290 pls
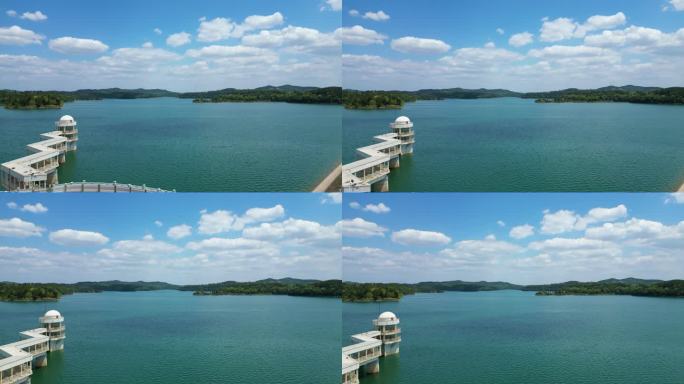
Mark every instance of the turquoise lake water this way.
pixel 510 144
pixel 516 337
pixel 174 144
pixel 174 337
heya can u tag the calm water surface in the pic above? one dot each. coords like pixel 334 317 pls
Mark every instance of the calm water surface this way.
pixel 512 144
pixel 516 337
pixel 174 144
pixel 174 337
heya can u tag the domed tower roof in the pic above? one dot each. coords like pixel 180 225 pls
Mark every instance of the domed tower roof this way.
pixel 52 313
pixel 402 119
pixel 387 316
pixel 66 119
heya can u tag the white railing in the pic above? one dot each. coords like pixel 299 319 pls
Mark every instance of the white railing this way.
pixel 103 187
pixel 15 378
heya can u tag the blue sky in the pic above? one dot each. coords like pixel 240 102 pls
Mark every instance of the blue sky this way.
pixel 178 238
pixel 126 44
pixel 557 44
pixel 520 238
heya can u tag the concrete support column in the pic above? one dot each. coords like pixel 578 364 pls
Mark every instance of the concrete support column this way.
pixel 381 186
pixel 56 345
pixel 40 361
pixel 391 349
pixel 394 162
pixel 372 367
pixel 385 185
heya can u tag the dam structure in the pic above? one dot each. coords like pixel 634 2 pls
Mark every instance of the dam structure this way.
pixel 37 172
pixel 18 359
pixel 364 355
pixel 370 173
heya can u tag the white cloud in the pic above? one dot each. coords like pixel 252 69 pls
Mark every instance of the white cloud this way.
pixel 11 13
pixel 564 28
pixel 559 29
pixel 219 221
pixel 158 223
pixel 334 5
pixel 34 16
pixel 576 247
pixel 73 45
pixel 354 12
pixel 130 58
pixel 599 22
pixel 219 51
pixel 376 16
pixel 148 246
pixel 596 215
pixel 263 214
pixel 178 39
pixel 490 44
pixel 410 44
pixel 358 35
pixel 294 231
pixel 479 252
pixel 17 227
pixel 521 231
pixel 639 231
pixel 355 205
pixel 563 51
pixel 224 221
pixel 16 35
pixel 418 237
pixel 677 197
pixel 75 238
pixel 216 29
pixel 565 221
pixel 377 208
pixel 332 198
pixel 639 39
pixel 33 208
pixel 677 4
pixel 158 31
pixel 500 31
pixel 264 22
pixel 559 221
pixel 217 244
pixel 521 39
pixel 222 28
pixel 178 232
pixel 359 227
pixel 295 38
pixel 148 44
pixel 501 223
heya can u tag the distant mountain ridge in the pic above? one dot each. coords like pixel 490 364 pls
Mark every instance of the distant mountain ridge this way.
pixel 352 99
pixel 628 286
pixel 10 291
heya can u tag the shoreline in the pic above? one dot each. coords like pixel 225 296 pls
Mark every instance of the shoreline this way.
pixel 330 181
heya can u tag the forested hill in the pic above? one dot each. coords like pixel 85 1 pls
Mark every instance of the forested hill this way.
pixel 287 286
pixel 628 94
pixel 633 287
pixel 364 292
pixel 287 93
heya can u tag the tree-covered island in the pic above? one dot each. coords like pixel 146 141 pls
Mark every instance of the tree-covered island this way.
pixel 349 98
pixel 287 286
pixel 369 292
